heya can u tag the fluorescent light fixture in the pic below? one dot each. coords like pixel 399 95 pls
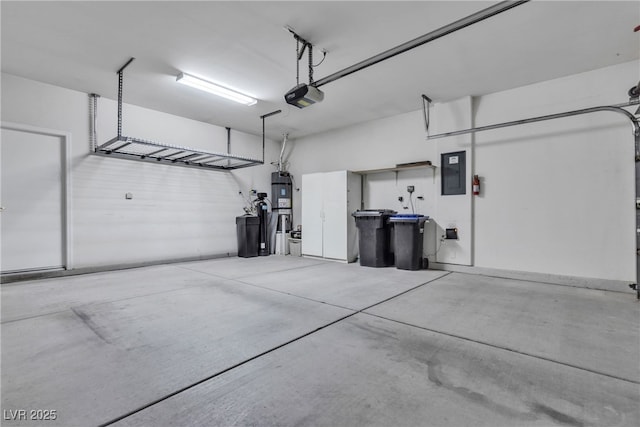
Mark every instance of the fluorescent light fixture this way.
pixel 215 89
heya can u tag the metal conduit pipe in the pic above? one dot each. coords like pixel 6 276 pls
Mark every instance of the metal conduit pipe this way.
pixel 426 38
pixel 284 144
pixel 635 123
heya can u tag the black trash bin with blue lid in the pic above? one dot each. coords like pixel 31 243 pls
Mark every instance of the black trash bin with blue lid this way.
pixel 374 237
pixel 408 240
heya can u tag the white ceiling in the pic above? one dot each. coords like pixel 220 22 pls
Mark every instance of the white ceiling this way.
pixel 80 45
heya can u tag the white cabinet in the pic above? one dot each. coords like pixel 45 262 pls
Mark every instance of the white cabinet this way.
pixel 328 229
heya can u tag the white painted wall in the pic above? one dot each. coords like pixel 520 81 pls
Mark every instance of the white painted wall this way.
pixel 370 145
pixel 557 196
pixel 175 212
pixel 373 145
pixel 453 211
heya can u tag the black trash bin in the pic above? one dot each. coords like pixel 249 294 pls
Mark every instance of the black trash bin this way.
pixel 408 240
pixel 374 237
pixel 248 231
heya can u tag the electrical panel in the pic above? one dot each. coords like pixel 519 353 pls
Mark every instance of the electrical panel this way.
pixel 453 173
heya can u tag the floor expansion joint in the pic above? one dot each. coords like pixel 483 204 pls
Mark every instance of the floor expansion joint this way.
pixel 244 362
pixel 498 347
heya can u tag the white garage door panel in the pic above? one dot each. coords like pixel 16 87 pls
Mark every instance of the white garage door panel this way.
pixel 32 197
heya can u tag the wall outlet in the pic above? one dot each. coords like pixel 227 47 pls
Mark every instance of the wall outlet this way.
pixel 411 188
pixel 451 234
pixel 128 196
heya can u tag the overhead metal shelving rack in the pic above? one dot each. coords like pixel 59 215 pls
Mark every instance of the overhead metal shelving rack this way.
pixel 141 149
pixel 128 147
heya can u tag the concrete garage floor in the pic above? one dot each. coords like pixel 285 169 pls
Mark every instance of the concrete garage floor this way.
pixel 294 341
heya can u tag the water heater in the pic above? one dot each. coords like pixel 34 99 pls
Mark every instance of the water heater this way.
pixel 281 197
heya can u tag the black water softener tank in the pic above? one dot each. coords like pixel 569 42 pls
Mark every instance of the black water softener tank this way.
pixel 262 208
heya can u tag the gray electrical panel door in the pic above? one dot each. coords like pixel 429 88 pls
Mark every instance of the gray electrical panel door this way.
pixel 454 173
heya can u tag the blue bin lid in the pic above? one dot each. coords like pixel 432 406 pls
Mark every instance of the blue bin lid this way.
pixel 408 218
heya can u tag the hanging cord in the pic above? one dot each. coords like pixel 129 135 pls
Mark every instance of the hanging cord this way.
pixel 437 250
pixel 297 62
pixel 300 52
pixel 310 46
pixel 324 55
pixel 293 182
pixel 413 211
